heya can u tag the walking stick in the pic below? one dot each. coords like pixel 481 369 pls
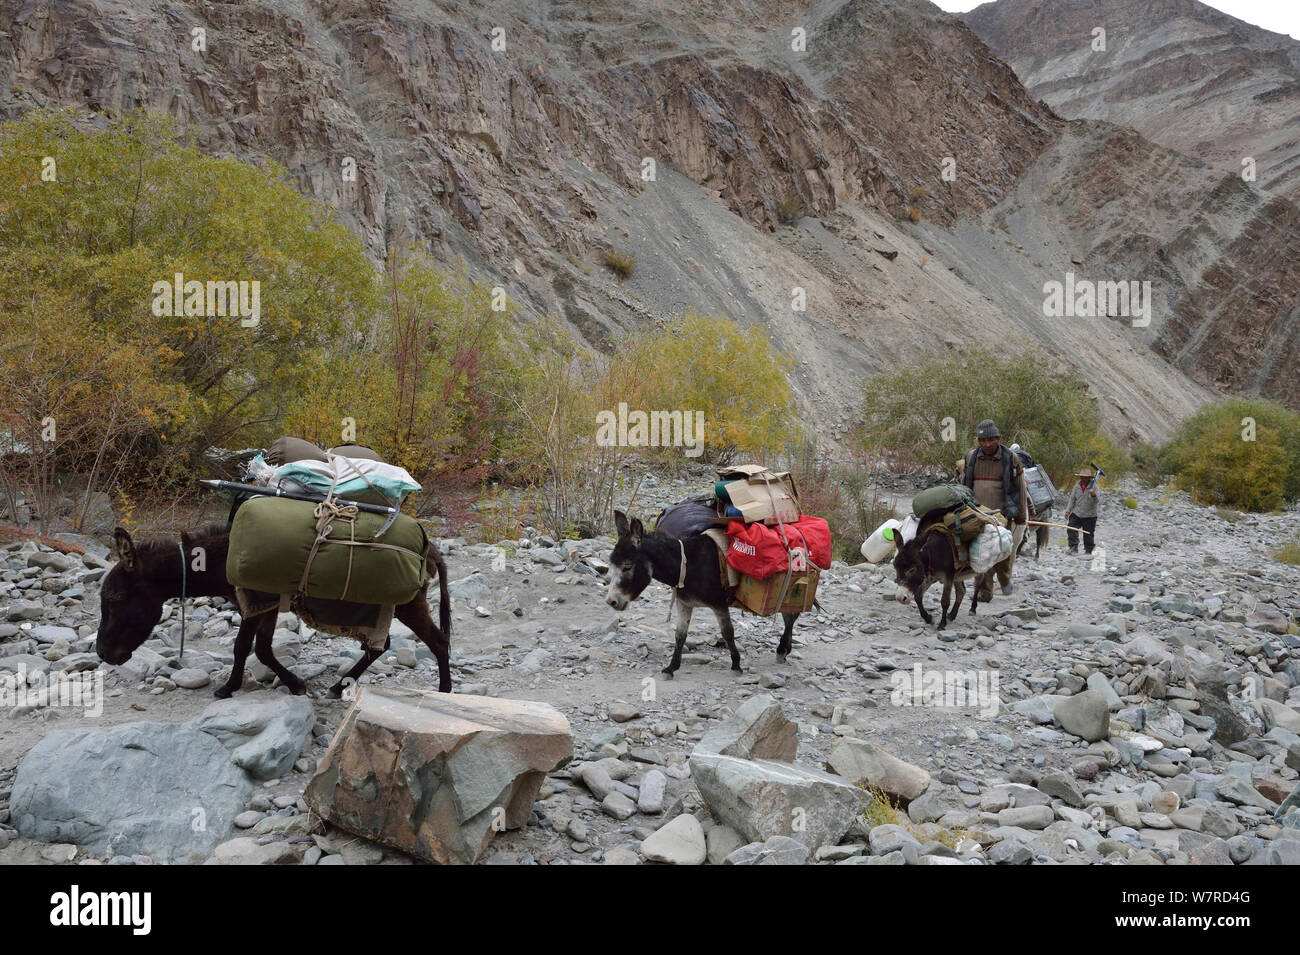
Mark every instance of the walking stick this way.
pixel 1064 527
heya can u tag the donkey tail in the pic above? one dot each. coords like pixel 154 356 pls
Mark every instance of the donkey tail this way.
pixel 444 596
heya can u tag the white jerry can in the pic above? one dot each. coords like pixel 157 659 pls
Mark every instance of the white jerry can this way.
pixel 876 548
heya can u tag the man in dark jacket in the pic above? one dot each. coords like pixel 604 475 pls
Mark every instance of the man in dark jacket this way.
pixel 996 476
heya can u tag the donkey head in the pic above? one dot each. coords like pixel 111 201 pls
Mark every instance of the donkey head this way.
pixel 909 569
pixel 130 606
pixel 629 566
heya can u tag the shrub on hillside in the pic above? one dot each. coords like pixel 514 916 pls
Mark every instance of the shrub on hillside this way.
pixel 731 373
pixel 1241 452
pixel 789 210
pixel 1034 402
pixel 622 264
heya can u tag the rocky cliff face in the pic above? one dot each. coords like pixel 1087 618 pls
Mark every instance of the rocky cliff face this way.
pixel 674 132
pixel 1182 73
pixel 1211 87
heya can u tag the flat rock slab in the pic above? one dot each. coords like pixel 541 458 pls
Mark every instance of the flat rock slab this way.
pixel 436 774
pixel 762 798
pixel 861 762
pixel 131 789
pixel 265 732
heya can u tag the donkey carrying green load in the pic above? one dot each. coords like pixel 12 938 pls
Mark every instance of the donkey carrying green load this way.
pixel 339 565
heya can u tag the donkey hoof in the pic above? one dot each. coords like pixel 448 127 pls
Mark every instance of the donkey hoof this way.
pixel 668 674
pixel 736 668
pixel 223 692
pixel 336 690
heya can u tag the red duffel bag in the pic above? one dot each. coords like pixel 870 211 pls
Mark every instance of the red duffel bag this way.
pixel 758 551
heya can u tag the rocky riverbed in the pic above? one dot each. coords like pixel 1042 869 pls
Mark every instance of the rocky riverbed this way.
pixel 1141 705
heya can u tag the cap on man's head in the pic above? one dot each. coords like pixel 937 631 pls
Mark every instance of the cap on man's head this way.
pixel 987 429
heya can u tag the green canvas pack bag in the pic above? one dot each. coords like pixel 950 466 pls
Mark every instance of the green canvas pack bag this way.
pixel 271 543
pixel 941 497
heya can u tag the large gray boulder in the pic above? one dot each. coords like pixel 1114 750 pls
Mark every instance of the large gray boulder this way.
pixel 264 732
pixel 765 797
pixel 168 791
pixel 757 730
pixel 438 775
pixel 1278 714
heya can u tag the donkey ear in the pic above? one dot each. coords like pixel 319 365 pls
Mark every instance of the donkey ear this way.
pixel 124 548
pixel 637 530
pixel 620 522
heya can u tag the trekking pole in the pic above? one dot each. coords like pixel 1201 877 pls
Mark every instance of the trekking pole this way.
pixel 1064 527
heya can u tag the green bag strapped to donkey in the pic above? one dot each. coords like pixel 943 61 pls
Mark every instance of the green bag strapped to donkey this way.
pixel 325 550
pixel 274 549
pixel 962 516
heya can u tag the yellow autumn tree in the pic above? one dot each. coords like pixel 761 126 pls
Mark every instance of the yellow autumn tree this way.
pixel 731 373
pixel 109 218
pixel 1223 469
pixel 78 407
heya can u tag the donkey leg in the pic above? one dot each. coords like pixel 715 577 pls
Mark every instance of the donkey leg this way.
pixel 368 656
pixel 416 616
pixel 956 603
pixel 728 634
pixel 945 601
pixel 243 644
pixel 975 595
pixel 262 647
pixel 682 613
pixel 783 648
pixel 925 615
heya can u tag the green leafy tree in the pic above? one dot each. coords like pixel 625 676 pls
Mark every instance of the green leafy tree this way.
pixel 921 417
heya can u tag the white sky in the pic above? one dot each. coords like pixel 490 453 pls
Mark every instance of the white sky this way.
pixel 1280 16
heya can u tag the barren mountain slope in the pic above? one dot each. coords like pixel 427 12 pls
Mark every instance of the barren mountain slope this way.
pixel 525 161
pixel 1184 74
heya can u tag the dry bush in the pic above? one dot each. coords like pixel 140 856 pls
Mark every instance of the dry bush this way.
pixel 622 264
pixel 790 210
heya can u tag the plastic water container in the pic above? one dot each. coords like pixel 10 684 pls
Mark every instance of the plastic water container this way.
pixel 876 548
pixel 910 525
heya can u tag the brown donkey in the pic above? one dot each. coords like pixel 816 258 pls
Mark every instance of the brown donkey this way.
pixel 147 574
